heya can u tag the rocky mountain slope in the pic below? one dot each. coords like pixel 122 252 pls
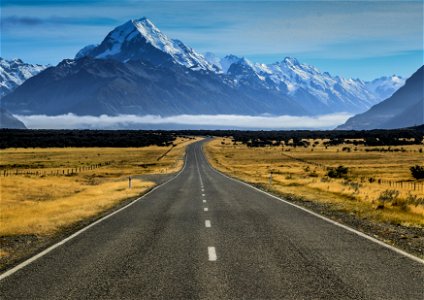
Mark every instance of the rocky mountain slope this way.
pixel 7 120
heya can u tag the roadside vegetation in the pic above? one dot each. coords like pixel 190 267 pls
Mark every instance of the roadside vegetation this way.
pixel 379 183
pixel 45 191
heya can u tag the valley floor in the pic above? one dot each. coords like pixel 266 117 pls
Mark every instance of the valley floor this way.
pixel 378 196
pixel 46 194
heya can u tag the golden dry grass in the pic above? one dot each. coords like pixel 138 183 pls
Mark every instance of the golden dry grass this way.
pixel 302 172
pixel 44 204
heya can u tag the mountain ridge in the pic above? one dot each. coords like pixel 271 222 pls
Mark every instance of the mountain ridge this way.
pixel 404 108
pixel 9 121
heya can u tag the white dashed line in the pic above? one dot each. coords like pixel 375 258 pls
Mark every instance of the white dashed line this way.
pixel 204 201
pixel 205 209
pixel 203 195
pixel 208 224
pixel 203 190
pixel 212 254
pixel 198 170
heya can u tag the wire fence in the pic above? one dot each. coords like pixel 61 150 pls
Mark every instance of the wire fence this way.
pixel 411 185
pixel 52 172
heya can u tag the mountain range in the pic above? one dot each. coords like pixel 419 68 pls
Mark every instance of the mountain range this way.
pixel 405 108
pixel 138 70
pixel 14 72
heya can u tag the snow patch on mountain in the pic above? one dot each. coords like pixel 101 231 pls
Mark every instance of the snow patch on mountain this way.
pixel 224 63
pixel 84 51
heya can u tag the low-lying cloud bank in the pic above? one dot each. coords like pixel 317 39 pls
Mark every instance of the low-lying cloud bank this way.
pixel 71 121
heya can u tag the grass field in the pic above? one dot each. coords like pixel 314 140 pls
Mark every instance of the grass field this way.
pixel 47 190
pixel 378 185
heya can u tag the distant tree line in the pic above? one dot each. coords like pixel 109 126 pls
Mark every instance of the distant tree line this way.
pixel 16 138
pixel 140 138
pixel 298 138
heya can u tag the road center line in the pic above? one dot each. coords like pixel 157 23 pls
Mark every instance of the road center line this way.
pixel 205 209
pixel 203 195
pixel 212 254
pixel 208 224
pixel 204 201
pixel 198 169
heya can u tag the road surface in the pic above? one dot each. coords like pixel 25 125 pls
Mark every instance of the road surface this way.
pixel 205 236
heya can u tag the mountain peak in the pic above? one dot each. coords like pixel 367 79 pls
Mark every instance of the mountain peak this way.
pixel 291 61
pixel 147 29
pixel 385 86
pixel 232 56
pixel 144 22
pixel 140 39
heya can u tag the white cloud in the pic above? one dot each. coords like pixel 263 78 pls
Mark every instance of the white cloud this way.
pixel 71 121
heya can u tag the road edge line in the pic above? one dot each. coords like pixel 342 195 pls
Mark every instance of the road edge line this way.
pixel 75 234
pixel 361 234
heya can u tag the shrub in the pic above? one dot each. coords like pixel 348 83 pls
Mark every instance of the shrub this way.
pixel 339 172
pixel 417 172
pixel 388 196
pixel 414 200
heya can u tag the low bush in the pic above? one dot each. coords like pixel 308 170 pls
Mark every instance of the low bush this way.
pixel 417 172
pixel 415 200
pixel 339 172
pixel 388 196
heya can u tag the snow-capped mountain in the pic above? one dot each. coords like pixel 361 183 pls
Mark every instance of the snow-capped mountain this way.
pixel 319 91
pixel 141 39
pixel 385 86
pixel 307 84
pixel 89 86
pixel 14 72
pixel 137 69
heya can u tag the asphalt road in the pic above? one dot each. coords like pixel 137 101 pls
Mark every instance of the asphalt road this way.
pixel 204 236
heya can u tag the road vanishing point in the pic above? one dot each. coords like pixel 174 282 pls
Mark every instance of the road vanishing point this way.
pixel 202 235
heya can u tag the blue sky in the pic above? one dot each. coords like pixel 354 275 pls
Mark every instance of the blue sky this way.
pixel 360 39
